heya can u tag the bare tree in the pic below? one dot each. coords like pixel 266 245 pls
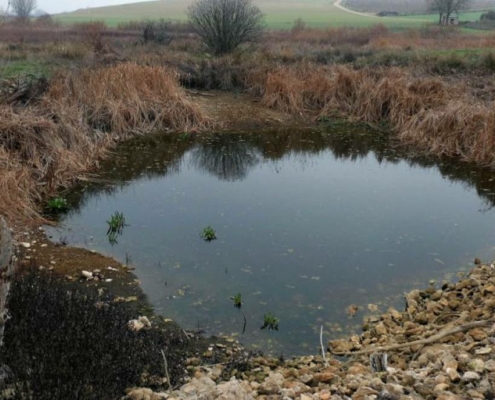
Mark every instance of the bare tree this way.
pixel 446 8
pixel 225 24
pixel 23 8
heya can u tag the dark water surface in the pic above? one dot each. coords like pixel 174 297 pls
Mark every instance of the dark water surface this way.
pixel 307 224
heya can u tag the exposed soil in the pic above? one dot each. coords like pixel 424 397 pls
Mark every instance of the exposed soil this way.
pixel 242 112
pixel 70 262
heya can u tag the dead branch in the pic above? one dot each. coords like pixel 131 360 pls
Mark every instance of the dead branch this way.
pixel 432 339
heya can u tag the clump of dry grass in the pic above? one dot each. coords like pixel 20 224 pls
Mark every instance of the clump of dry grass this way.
pixel 82 114
pixel 125 99
pixel 456 129
pixel 441 119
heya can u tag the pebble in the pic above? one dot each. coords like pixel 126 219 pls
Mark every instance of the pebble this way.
pixel 470 376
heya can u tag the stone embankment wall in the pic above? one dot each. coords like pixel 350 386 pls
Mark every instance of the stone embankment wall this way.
pixel 7 266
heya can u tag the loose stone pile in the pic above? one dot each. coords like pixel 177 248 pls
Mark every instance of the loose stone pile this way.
pixel 441 347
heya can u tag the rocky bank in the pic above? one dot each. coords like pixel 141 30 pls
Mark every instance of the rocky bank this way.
pixel 441 346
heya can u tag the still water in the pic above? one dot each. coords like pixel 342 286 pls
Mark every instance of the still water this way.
pixel 307 223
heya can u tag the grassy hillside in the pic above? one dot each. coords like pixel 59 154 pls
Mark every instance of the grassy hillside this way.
pixel 407 7
pixel 278 14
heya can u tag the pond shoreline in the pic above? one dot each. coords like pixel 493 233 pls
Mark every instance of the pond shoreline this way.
pixel 309 376
pixel 449 328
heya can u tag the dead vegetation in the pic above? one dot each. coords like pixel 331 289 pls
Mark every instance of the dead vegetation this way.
pixel 440 118
pixel 82 114
pixel 113 86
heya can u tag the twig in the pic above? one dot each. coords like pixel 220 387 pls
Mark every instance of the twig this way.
pixel 322 347
pixel 166 371
pixel 244 327
pixel 431 339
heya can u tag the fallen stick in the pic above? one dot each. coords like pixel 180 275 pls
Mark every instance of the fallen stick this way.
pixel 322 347
pixel 165 365
pixel 431 339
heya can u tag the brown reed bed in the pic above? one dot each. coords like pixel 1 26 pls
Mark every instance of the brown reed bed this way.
pixel 440 118
pixel 46 145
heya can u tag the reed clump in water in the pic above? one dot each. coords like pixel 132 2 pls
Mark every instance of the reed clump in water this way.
pixel 82 114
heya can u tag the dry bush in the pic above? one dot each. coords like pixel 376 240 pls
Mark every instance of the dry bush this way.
pixel 83 114
pixel 91 34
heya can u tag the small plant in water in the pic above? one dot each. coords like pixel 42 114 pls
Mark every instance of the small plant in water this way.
pixel 237 300
pixel 270 321
pixel 112 238
pixel 57 204
pixel 116 224
pixel 208 234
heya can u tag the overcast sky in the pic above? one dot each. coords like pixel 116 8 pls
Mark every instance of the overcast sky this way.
pixel 58 6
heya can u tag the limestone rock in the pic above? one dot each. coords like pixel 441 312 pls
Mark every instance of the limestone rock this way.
pixel 143 394
pixel 470 376
pixel 273 383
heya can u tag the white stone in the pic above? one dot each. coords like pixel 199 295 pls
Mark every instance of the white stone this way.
pixel 145 321
pixel 86 274
pixel 470 376
pixel 134 325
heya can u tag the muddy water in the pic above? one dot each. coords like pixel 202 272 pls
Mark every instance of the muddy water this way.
pixel 307 223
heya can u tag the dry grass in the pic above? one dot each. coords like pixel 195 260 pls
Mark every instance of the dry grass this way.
pixel 83 114
pixel 440 118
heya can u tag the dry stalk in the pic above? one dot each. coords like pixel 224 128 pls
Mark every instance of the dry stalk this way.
pixel 432 339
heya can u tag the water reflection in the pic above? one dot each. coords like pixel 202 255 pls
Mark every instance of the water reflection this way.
pixel 227 159
pixel 230 157
pixel 308 223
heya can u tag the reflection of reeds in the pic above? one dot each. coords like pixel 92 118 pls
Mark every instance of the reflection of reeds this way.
pixel 83 114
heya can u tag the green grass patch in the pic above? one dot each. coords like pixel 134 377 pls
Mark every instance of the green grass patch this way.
pixel 278 15
pixel 14 69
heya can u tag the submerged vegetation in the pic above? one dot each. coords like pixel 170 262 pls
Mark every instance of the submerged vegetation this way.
pixel 116 223
pixel 270 321
pixel 208 234
pixel 237 299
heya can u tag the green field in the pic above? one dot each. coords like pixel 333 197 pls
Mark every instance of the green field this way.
pixel 465 16
pixel 278 14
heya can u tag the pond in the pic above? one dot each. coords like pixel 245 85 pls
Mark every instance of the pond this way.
pixel 307 223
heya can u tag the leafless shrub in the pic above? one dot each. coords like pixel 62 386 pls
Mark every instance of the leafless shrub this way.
pixel 156 32
pixel 225 24
pixel 92 34
pixel 23 8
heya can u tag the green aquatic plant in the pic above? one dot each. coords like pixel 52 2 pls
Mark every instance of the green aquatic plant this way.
pixel 270 321
pixel 208 234
pixel 112 238
pixel 57 204
pixel 237 300
pixel 116 224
